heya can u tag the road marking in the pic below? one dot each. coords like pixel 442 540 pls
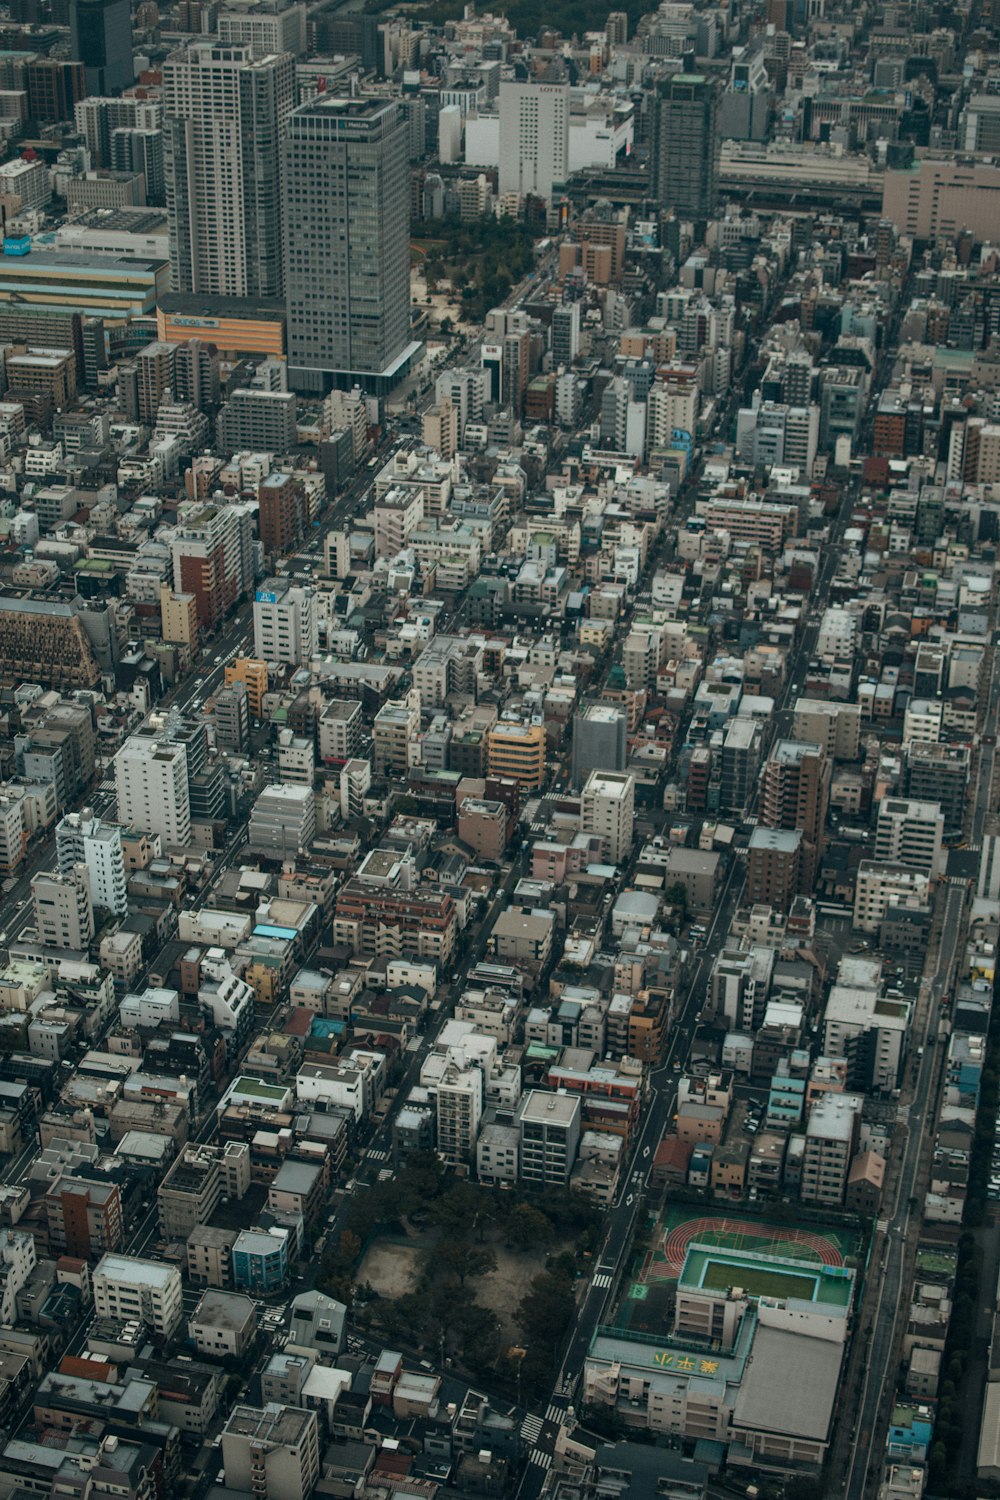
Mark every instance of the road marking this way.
pixel 541 1459
pixel 554 1413
pixel 602 1281
pixel 530 1428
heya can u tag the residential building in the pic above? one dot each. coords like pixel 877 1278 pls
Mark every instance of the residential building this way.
pixel 283 821
pixel 774 864
pixel 831 1142
pixel 395 730
pixel 549 1126
pixel 284 623
pixel 794 794
pixel 224 111
pixel 599 740
pixel 63 909
pixel 84 1218
pixel 517 750
pixel 82 839
pixel 607 810
pixel 151 773
pixel 459 1113
pixel 272 1451
pixel 910 833
pixel 126 1286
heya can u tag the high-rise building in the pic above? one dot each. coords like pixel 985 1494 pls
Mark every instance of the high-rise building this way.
pixel 266 28
pixel 101 38
pixel 534 138
pixel 82 839
pixel 284 623
pixel 684 163
pixel 152 780
pixel 347 228
pixel 283 513
pixel 607 810
pixel 64 912
pixel 794 793
pixel 213 557
pixel 599 736
pixel 224 112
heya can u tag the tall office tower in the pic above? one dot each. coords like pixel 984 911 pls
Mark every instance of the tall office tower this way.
pixel 794 794
pixel 684 162
pixel 534 137
pixel 82 839
pixel 101 38
pixel 224 113
pixel 347 230
pixel 151 775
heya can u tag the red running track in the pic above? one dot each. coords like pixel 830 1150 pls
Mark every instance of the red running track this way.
pixel 675 1244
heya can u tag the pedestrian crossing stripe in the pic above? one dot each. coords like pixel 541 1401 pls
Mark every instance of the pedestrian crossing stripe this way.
pixel 530 1428
pixel 541 1459
pixel 555 1413
pixel 603 1281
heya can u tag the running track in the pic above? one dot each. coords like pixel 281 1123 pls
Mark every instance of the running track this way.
pixel 676 1243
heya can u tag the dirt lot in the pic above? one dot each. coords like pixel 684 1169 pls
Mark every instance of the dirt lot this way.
pixel 393 1268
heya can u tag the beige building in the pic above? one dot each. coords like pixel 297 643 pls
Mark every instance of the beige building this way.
pixel 210 1256
pixel 607 810
pixel 834 726
pixel 939 197
pixel 396 727
pixel 178 617
pixel 483 825
pixel 272 1451
pixel 878 886
pixel 64 912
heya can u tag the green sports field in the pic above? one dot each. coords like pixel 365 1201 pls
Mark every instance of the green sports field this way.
pixel 758 1282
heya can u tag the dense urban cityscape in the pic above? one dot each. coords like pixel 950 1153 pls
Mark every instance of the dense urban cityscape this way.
pixel 499 834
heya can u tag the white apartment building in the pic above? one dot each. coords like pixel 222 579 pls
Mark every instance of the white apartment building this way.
pixel 910 833
pixel 284 624
pixel 64 912
pixel 534 138
pixel 878 886
pixel 837 634
pixel 13 834
pixel 82 839
pixel 126 1286
pixel 922 721
pixel 459 1113
pixel 152 781
pixel 607 810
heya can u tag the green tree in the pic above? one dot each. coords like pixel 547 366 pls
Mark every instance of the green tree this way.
pixel 677 895
pixel 459 1259
pixel 527 1228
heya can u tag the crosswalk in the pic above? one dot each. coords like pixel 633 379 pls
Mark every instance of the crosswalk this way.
pixel 108 786
pixel 530 1428
pixel 555 1413
pixel 378 1155
pixel 539 1457
pixel 602 1280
